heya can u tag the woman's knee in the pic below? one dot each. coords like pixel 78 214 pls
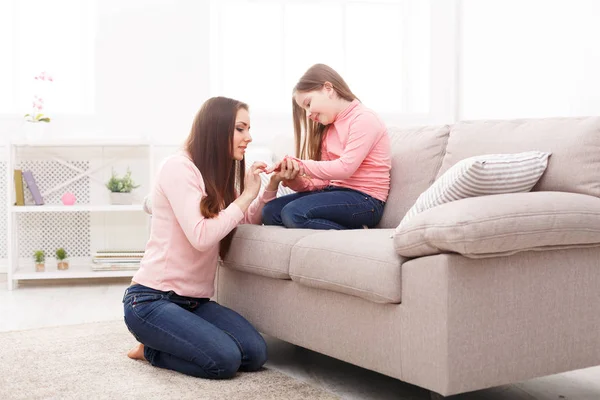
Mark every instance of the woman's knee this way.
pixel 256 353
pixel 225 364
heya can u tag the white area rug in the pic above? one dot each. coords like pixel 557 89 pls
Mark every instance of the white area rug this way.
pixel 89 362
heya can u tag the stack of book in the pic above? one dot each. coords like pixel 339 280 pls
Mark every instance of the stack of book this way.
pixel 117 260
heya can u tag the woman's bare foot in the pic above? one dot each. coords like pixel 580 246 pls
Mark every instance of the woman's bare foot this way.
pixel 137 353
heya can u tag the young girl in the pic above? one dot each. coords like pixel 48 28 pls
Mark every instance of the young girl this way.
pixel 195 207
pixel 343 159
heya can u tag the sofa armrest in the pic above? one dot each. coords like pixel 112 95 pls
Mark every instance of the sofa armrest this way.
pixel 505 224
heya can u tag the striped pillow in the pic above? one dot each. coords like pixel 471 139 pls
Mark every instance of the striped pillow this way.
pixel 481 176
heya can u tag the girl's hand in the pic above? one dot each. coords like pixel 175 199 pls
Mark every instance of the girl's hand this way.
pixel 290 169
pixel 286 169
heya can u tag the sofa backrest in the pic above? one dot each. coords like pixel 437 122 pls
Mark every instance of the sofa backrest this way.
pixel 417 155
pixel 574 165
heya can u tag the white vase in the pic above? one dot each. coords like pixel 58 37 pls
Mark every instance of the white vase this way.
pixel 34 131
pixel 121 198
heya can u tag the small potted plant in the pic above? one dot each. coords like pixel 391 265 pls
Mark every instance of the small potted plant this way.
pixel 120 188
pixel 40 260
pixel 61 259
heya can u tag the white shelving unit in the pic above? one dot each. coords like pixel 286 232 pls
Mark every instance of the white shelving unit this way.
pixel 97 210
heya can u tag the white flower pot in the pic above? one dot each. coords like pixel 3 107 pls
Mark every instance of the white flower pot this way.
pixel 121 198
pixel 34 131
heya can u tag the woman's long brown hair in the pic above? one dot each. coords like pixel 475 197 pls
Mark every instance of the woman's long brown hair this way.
pixel 309 134
pixel 210 145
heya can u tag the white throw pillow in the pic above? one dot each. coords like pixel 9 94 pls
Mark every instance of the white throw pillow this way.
pixel 481 176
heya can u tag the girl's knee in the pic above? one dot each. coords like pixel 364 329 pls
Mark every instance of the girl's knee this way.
pixel 291 217
pixel 269 216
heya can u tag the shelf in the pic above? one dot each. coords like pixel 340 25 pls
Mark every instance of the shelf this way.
pixel 77 208
pixel 129 225
pixel 74 272
pixel 68 142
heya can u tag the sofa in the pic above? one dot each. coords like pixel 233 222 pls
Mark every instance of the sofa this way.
pixel 471 294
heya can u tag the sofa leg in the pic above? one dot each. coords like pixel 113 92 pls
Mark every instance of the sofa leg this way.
pixel 436 396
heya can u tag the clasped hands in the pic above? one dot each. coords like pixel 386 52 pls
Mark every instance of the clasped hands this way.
pixel 285 170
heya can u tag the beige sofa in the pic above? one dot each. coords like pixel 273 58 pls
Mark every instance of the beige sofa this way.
pixel 494 290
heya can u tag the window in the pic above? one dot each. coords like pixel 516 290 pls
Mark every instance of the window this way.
pixel 545 65
pixel 382 48
pixel 56 37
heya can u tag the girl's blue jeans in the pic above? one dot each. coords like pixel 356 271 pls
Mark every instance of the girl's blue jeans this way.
pixel 194 336
pixel 330 208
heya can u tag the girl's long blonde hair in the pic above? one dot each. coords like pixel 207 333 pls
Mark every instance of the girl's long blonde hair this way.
pixel 309 134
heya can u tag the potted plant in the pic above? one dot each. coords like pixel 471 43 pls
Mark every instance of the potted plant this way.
pixel 40 260
pixel 35 122
pixel 120 188
pixel 61 259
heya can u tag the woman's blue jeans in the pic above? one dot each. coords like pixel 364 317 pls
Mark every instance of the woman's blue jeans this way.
pixel 194 336
pixel 329 208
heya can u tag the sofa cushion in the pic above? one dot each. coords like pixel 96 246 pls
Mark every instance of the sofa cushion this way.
pixel 416 157
pixel 573 142
pixel 502 225
pixel 263 250
pixel 480 176
pixel 359 262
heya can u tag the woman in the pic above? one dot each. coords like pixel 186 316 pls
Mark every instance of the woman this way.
pixel 200 196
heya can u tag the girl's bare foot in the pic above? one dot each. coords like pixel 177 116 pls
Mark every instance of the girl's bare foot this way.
pixel 137 353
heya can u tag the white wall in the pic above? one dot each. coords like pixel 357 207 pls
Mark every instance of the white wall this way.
pixel 152 73
pixel 517 58
pixel 151 70
pixel 529 58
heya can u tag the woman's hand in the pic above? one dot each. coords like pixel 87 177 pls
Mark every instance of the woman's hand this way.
pixel 252 179
pixel 251 185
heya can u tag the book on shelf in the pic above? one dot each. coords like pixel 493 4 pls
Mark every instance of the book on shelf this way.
pixel 115 267
pixel 119 255
pixel 117 260
pixel 19 194
pixel 33 188
pixel 119 251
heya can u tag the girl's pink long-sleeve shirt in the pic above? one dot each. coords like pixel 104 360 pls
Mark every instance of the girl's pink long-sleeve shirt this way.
pixel 183 249
pixel 355 154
